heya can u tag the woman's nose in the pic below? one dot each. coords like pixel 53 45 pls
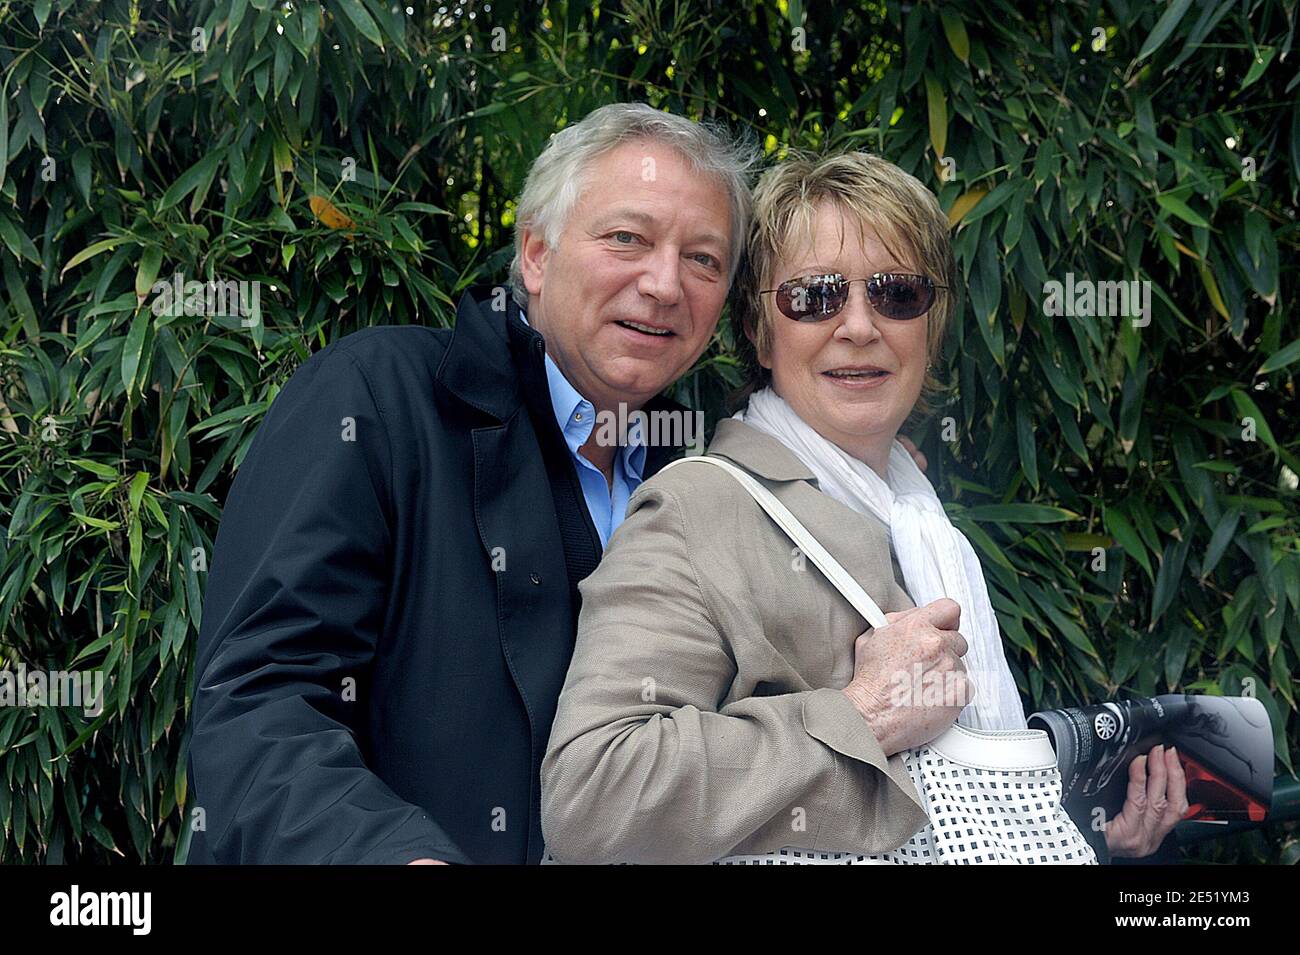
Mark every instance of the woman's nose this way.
pixel 857 318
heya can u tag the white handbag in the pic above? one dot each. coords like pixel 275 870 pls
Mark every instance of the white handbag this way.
pixel 992 796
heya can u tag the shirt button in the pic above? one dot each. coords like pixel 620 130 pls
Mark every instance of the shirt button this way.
pixel 578 416
pixel 535 578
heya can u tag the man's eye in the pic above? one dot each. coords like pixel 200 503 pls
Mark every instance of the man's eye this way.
pixel 706 260
pixel 623 238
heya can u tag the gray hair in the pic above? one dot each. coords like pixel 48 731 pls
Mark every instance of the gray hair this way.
pixel 557 176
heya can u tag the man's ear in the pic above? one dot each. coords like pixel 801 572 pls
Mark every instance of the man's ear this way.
pixel 533 256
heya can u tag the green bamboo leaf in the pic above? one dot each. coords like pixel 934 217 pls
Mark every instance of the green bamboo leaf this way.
pixel 1019 514
pixel 138 485
pixel 1247 410
pixel 1268 524
pixel 100 833
pixel 1263 57
pixel 983 542
pixel 1181 209
pixel 938 109
pixel 1176 655
pixel 1068 628
pixel 91 251
pixel 134 346
pixel 1172 16
pixel 1085 542
pixel 94 647
pixel 134 536
pixel 1266 504
pixel 1212 290
pixel 955 30
pixel 190 180
pixel 491 109
pixel 362 20
pixel 231 414
pixel 155 510
pixel 4 128
pixel 20 819
pixel 1280 358
pixel 193 595
pixel 1127 536
pixel 1028 446
pixel 96 468
pixel 73 807
pixel 1168 579
pixel 147 272
pixel 22 302
pixel 280 73
pixel 17 242
pixel 992 201
pixel 96 522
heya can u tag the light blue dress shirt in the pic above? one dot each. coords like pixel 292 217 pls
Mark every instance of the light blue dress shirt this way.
pixel 577 418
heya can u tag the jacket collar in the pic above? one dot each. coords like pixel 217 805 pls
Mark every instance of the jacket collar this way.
pixel 488 348
pixel 494 357
pixel 759 453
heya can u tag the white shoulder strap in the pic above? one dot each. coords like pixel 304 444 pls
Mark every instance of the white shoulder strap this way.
pixel 802 537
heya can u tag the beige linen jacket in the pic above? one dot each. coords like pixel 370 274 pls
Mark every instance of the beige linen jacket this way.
pixel 701 715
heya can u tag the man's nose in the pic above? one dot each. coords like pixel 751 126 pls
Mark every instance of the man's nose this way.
pixel 857 318
pixel 662 277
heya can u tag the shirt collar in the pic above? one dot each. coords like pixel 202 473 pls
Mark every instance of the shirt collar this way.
pixel 576 417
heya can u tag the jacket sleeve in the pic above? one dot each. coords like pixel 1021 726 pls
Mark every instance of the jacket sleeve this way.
pixel 646 763
pixel 294 608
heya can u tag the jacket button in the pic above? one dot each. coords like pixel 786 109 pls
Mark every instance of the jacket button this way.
pixel 534 578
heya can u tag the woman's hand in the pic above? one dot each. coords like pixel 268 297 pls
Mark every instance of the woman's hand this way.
pixel 1156 801
pixel 909 681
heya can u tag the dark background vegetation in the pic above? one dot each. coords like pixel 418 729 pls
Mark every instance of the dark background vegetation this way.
pixel 1117 140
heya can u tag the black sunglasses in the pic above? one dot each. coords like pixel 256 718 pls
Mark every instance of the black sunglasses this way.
pixel 815 298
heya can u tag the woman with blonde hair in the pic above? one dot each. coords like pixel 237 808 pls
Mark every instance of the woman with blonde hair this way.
pixel 728 701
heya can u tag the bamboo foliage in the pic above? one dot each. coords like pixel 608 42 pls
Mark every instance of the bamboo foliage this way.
pixel 1129 480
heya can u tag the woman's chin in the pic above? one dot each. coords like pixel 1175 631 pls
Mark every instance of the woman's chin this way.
pixel 858 433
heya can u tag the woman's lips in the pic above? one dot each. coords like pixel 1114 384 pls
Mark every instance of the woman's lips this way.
pixel 859 382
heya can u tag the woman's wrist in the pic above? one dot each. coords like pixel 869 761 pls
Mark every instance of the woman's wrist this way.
pixel 875 712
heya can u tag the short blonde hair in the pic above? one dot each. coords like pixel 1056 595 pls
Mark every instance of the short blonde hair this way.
pixel 875 193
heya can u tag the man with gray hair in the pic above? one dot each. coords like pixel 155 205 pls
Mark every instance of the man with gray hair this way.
pixel 393 596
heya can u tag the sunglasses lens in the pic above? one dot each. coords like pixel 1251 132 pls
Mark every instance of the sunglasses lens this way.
pixel 901 296
pixel 810 300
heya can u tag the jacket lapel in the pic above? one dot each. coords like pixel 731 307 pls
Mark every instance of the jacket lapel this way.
pixel 513 507
pixel 511 491
pixel 478 367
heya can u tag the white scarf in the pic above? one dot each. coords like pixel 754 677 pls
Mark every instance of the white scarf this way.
pixel 937 560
